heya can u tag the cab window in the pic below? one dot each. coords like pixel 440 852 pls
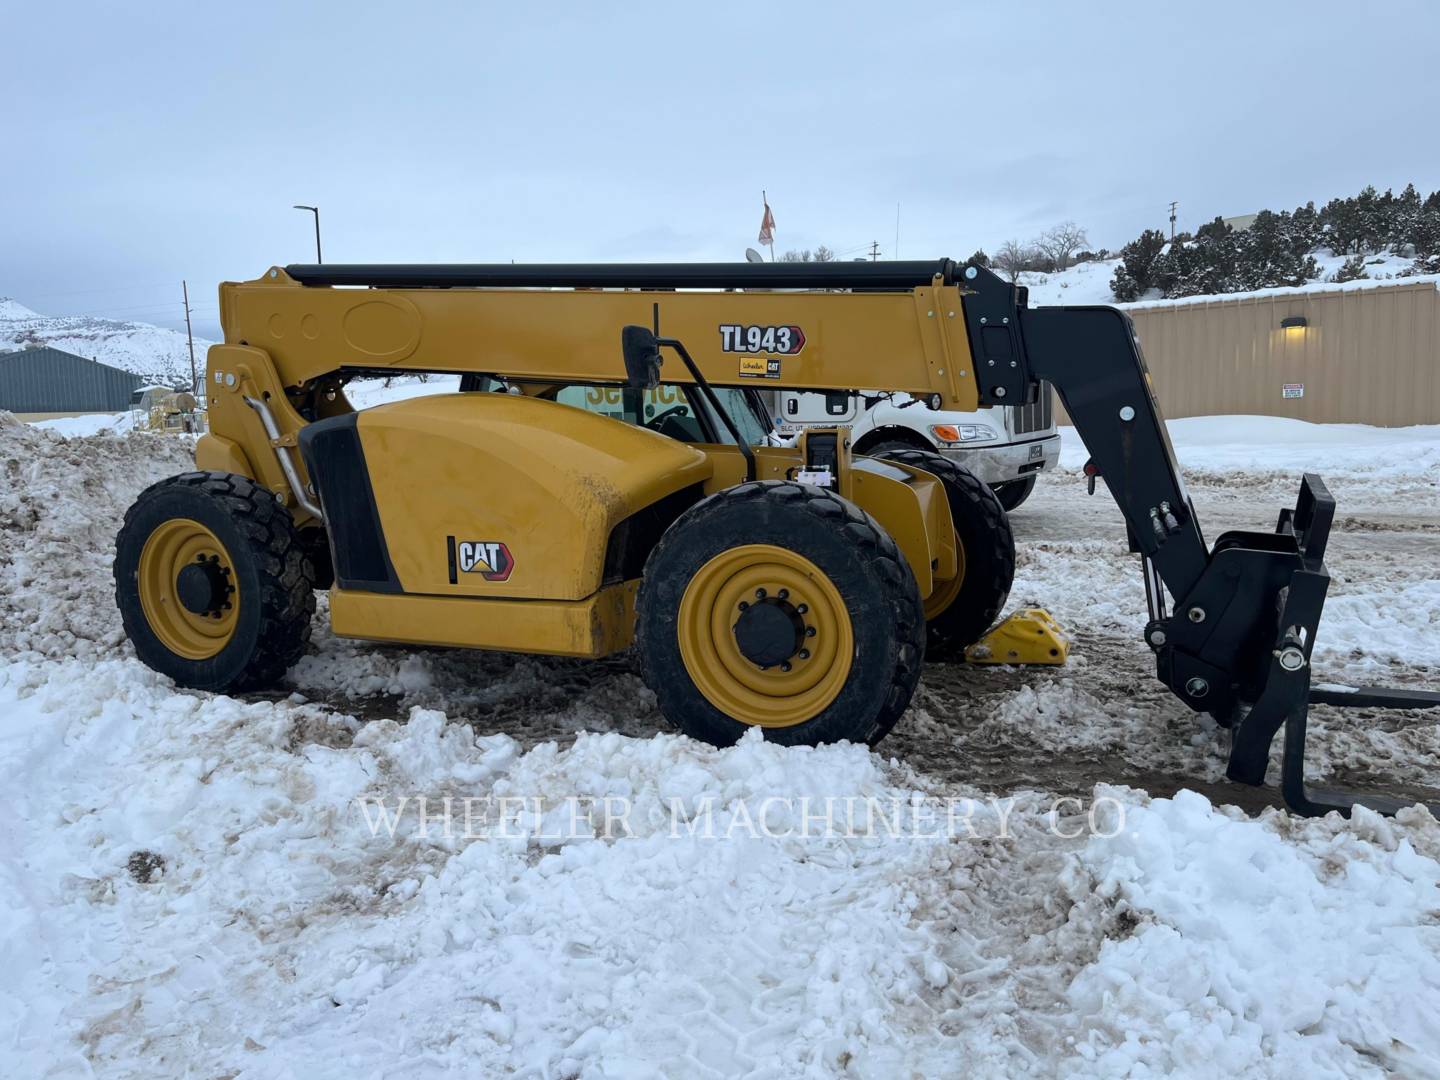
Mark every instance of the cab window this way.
pixel 676 412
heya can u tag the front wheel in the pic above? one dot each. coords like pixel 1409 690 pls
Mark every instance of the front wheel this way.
pixel 213 582
pixel 959 611
pixel 1014 492
pixel 784 607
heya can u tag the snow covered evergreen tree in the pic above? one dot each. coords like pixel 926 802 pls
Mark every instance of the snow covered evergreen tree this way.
pixel 1344 226
pixel 1404 219
pixel 1353 269
pixel 1269 255
pixel 1135 275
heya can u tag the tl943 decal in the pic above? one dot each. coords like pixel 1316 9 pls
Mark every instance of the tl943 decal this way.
pixel 782 340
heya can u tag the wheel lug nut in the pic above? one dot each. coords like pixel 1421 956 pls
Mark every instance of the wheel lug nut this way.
pixel 804 654
pixel 200 558
pixel 744 605
pixel 802 609
pixel 759 594
pixel 809 631
pixel 785 666
pixel 783 594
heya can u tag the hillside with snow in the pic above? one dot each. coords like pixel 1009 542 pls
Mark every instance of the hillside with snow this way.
pixel 1089 282
pixel 152 352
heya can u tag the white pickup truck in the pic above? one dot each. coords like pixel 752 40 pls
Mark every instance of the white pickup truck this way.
pixel 1006 447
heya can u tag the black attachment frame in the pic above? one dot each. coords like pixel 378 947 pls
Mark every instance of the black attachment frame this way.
pixel 1238 639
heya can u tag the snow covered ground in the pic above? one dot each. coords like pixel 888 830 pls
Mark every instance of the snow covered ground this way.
pixel 193 886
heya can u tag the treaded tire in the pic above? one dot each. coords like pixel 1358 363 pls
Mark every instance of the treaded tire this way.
pixel 885 447
pixel 1014 492
pixel 272 569
pixel 857 556
pixel 317 547
pixel 983 529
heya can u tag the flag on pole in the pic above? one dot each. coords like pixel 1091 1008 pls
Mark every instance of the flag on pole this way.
pixel 767 224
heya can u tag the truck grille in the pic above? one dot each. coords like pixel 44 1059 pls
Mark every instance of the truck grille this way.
pixel 1036 417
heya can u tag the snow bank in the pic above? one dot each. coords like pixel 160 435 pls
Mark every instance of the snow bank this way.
pixel 190 881
pixel 61 503
pixel 93 424
pixel 1275 446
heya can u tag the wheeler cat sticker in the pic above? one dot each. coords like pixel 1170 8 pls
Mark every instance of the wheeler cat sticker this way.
pixel 490 559
pixel 785 340
pixel 759 367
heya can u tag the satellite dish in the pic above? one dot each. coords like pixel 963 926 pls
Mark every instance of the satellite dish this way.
pixel 751 255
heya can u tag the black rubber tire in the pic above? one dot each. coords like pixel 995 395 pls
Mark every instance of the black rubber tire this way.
pixel 860 559
pixel 1014 492
pixel 270 565
pixel 885 447
pixel 983 529
pixel 316 543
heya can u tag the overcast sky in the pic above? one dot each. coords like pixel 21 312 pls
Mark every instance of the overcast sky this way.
pixel 151 142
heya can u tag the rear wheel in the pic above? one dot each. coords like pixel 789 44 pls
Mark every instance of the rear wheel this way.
pixel 1014 492
pixel 959 611
pixel 213 582
pixel 784 607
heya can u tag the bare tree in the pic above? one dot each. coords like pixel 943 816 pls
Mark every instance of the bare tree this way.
pixel 1059 244
pixel 824 254
pixel 1012 257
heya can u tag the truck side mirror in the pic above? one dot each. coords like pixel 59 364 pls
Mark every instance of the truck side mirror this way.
pixel 642 357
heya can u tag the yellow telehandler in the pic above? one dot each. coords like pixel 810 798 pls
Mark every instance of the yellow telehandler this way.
pixel 606 478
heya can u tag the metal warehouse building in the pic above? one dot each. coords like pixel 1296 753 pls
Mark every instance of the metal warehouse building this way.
pixel 1359 354
pixel 37 384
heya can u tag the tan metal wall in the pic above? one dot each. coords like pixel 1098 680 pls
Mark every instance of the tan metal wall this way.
pixel 1368 356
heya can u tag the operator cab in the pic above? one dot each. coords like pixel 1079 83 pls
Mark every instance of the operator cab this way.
pixel 676 411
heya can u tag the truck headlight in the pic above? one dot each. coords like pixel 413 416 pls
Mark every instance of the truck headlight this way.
pixel 961 433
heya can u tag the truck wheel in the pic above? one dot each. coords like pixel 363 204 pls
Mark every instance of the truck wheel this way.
pixel 959 612
pixel 1014 492
pixel 213 583
pixel 880 449
pixel 780 606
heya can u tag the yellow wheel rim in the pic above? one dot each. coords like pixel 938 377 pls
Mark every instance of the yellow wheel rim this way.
pixel 789 691
pixel 195 619
pixel 945 592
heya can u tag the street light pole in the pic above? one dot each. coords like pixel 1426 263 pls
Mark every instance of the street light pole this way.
pixel 316 211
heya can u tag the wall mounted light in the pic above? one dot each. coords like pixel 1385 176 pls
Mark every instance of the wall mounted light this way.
pixel 1294 322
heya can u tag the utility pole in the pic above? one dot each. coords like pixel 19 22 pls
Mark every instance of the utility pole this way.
pixel 1173 205
pixel 190 340
pixel 874 250
pixel 316 211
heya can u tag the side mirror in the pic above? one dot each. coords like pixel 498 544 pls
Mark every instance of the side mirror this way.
pixel 642 357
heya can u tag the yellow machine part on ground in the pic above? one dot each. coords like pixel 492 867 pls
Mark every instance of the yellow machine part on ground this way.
pixel 1027 636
